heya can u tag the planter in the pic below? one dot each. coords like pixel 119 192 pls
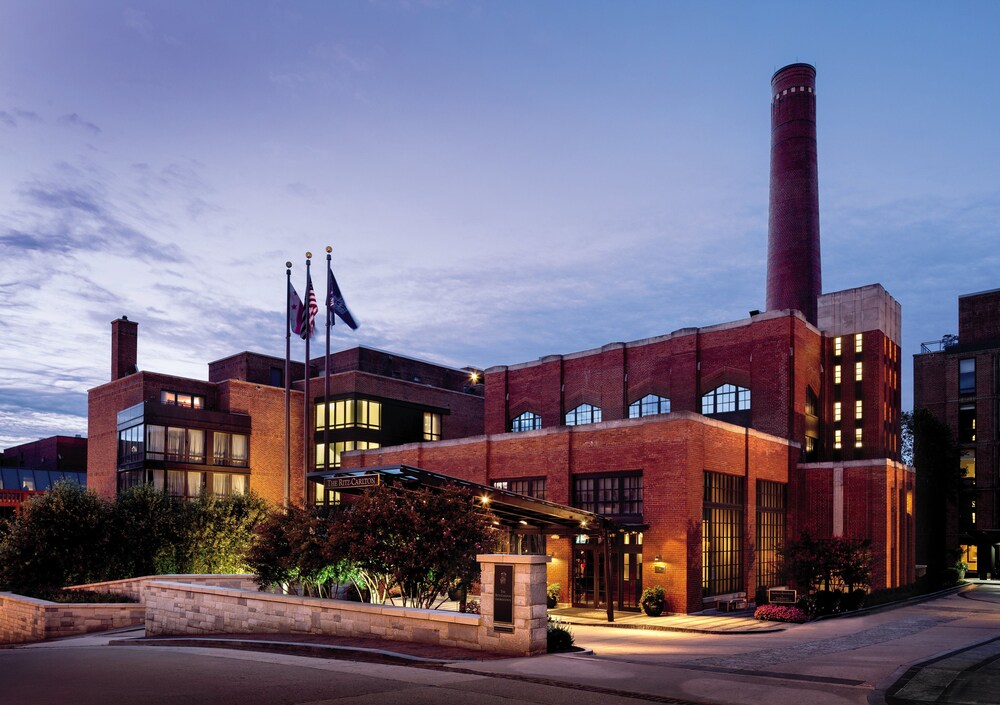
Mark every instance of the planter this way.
pixel 652 609
pixel 551 602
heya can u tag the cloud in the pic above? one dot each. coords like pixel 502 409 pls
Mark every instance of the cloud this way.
pixel 137 21
pixel 7 119
pixel 29 115
pixel 64 218
pixel 74 120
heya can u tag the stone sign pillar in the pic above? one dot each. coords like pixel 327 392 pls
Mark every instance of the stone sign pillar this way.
pixel 512 603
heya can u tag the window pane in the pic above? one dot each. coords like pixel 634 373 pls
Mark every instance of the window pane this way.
pixel 239 484
pixel 220 447
pixel 194 484
pixel 967 376
pixel 238 453
pixel 196 445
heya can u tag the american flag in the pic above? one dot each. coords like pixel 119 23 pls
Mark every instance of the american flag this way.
pixel 307 315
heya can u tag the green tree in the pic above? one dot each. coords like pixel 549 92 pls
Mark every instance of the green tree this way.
pixel 218 532
pixel 419 541
pixel 293 547
pixel 147 533
pixel 60 538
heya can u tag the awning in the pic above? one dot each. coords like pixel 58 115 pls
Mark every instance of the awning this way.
pixel 517 512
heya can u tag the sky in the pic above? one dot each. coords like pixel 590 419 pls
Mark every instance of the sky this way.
pixel 499 180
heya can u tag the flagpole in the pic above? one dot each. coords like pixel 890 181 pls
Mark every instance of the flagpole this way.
pixel 288 375
pixel 306 416
pixel 330 321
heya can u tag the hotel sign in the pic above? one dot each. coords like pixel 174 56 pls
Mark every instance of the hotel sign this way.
pixel 503 594
pixel 351 482
pixel 781 596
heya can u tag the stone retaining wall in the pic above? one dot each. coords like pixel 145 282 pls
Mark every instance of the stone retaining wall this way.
pixel 135 587
pixel 25 619
pixel 179 608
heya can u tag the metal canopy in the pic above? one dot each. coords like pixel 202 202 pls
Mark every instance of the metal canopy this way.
pixel 518 512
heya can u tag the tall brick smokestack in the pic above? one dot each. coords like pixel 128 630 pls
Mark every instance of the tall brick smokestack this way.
pixel 124 347
pixel 793 266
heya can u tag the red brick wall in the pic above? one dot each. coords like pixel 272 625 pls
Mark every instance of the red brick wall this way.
pixel 266 407
pixel 53 453
pixel 878 504
pixel 979 317
pixel 673 452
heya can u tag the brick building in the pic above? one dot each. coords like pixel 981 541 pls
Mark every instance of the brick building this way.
pixel 227 434
pixel 959 383
pixel 711 446
pixel 32 468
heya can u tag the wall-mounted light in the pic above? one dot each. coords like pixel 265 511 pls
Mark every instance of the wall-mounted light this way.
pixel 657 558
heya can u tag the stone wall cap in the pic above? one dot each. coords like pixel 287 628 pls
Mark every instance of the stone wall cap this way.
pixel 511 558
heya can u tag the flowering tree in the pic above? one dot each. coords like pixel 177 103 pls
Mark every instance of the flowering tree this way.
pixel 419 541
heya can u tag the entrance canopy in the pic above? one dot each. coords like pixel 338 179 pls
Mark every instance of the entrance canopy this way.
pixel 517 512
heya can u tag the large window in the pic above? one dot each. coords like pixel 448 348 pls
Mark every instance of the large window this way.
pixel 649 405
pixel 583 414
pixel 432 426
pixel 349 413
pixel 725 398
pixel 722 534
pixel 229 449
pixel 178 445
pixel 192 401
pixel 530 486
pixel 322 457
pixel 131 446
pixel 771 503
pixel 967 376
pixel 528 421
pixel 613 495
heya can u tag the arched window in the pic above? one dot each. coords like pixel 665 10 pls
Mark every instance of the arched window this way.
pixel 585 413
pixel 528 421
pixel 725 398
pixel 649 405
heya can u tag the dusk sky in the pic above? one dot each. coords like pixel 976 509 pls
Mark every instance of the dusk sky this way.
pixel 499 180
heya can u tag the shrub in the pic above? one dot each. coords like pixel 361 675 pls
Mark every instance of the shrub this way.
pixel 558 637
pixel 780 613
pixel 653 600
pixel 61 538
pixel 828 601
pixel 472 607
pixel 87 596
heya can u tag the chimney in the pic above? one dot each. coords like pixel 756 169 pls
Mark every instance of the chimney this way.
pixel 124 340
pixel 793 263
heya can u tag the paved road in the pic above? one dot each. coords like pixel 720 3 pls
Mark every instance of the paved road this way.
pixel 859 660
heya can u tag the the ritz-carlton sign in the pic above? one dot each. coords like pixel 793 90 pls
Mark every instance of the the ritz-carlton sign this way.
pixel 346 483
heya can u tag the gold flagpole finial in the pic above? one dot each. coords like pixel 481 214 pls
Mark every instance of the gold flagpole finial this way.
pixel 309 255
pixel 329 249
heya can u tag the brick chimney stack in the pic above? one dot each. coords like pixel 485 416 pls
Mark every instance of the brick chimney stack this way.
pixel 793 263
pixel 124 343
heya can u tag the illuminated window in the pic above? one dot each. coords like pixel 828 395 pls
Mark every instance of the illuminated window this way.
pixel 967 376
pixel 528 421
pixel 349 413
pixel 836 411
pixel 857 343
pixel 857 409
pixel 338 448
pixel 837 346
pixel 837 440
pixel 857 438
pixel 649 405
pixel 967 462
pixel 725 398
pixel 836 374
pixel 432 426
pixel 229 449
pixel 191 401
pixel 857 371
pixel 583 414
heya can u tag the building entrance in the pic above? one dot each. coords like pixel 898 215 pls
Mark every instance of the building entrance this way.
pixel 626 571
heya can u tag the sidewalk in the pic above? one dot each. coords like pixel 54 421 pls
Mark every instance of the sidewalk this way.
pixel 709 622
